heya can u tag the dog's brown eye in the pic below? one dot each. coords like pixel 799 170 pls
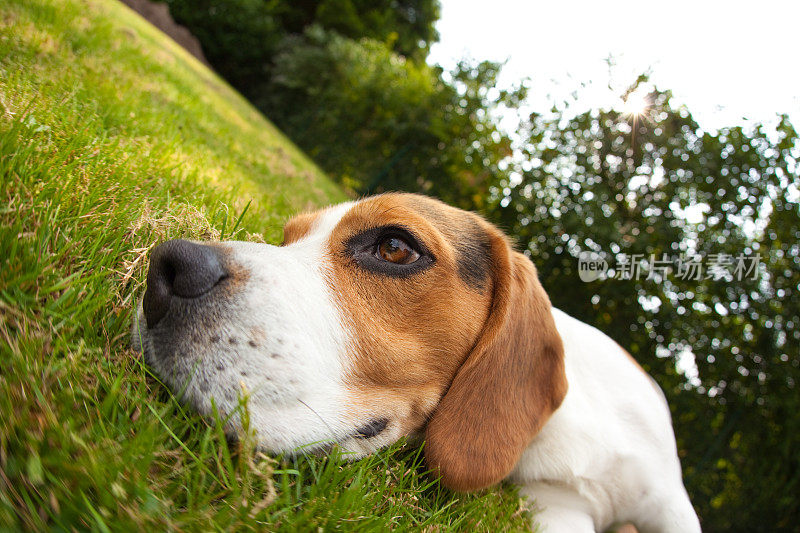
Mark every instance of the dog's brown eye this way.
pixel 389 251
pixel 396 250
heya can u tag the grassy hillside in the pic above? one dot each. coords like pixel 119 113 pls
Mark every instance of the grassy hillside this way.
pixel 113 139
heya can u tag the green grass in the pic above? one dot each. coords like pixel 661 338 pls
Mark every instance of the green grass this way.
pixel 113 139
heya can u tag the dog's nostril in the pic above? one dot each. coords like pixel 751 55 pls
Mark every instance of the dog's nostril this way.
pixel 169 274
pixel 179 268
pixel 189 269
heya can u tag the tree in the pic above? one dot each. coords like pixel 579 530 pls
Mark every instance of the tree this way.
pixel 347 81
pixel 407 26
pixel 240 37
pixel 381 122
pixel 622 185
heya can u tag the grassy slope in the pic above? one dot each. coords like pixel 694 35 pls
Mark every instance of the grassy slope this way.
pixel 111 139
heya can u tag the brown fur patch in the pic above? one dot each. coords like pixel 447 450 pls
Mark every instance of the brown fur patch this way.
pixel 485 331
pixel 298 227
pixel 467 235
pixel 506 390
pixel 410 334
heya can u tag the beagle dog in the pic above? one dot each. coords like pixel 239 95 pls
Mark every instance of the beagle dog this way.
pixel 399 315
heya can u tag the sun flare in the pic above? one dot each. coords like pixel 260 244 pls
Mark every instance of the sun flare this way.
pixel 636 103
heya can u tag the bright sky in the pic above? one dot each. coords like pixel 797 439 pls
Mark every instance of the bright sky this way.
pixel 724 60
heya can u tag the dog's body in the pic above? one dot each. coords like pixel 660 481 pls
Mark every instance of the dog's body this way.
pixel 398 315
pixel 607 455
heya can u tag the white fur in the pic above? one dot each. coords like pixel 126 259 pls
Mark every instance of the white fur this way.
pixel 608 453
pixel 294 380
pixel 288 293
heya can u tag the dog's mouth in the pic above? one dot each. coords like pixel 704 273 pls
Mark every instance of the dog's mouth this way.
pixel 357 442
pixel 372 429
pixel 191 382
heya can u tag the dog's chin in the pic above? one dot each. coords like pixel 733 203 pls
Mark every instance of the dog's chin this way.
pixel 273 414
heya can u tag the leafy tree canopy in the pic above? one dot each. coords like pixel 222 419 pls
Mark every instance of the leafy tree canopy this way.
pixel 622 185
pixel 240 37
pixel 382 122
pixel 348 82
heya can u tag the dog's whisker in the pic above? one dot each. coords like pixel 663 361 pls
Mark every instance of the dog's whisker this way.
pixel 318 416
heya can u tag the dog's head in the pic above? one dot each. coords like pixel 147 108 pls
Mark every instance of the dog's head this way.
pixel 394 315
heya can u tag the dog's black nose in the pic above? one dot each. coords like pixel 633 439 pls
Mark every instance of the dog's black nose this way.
pixel 179 268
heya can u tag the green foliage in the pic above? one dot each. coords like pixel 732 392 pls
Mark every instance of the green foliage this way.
pixel 406 26
pixel 240 37
pixel 617 184
pixel 347 81
pixel 381 122
pixel 113 139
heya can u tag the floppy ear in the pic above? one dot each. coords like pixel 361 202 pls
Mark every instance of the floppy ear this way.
pixel 508 386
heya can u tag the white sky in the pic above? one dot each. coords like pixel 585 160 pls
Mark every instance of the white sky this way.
pixel 729 62
pixel 724 60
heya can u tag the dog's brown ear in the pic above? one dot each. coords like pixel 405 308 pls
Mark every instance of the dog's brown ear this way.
pixel 508 386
